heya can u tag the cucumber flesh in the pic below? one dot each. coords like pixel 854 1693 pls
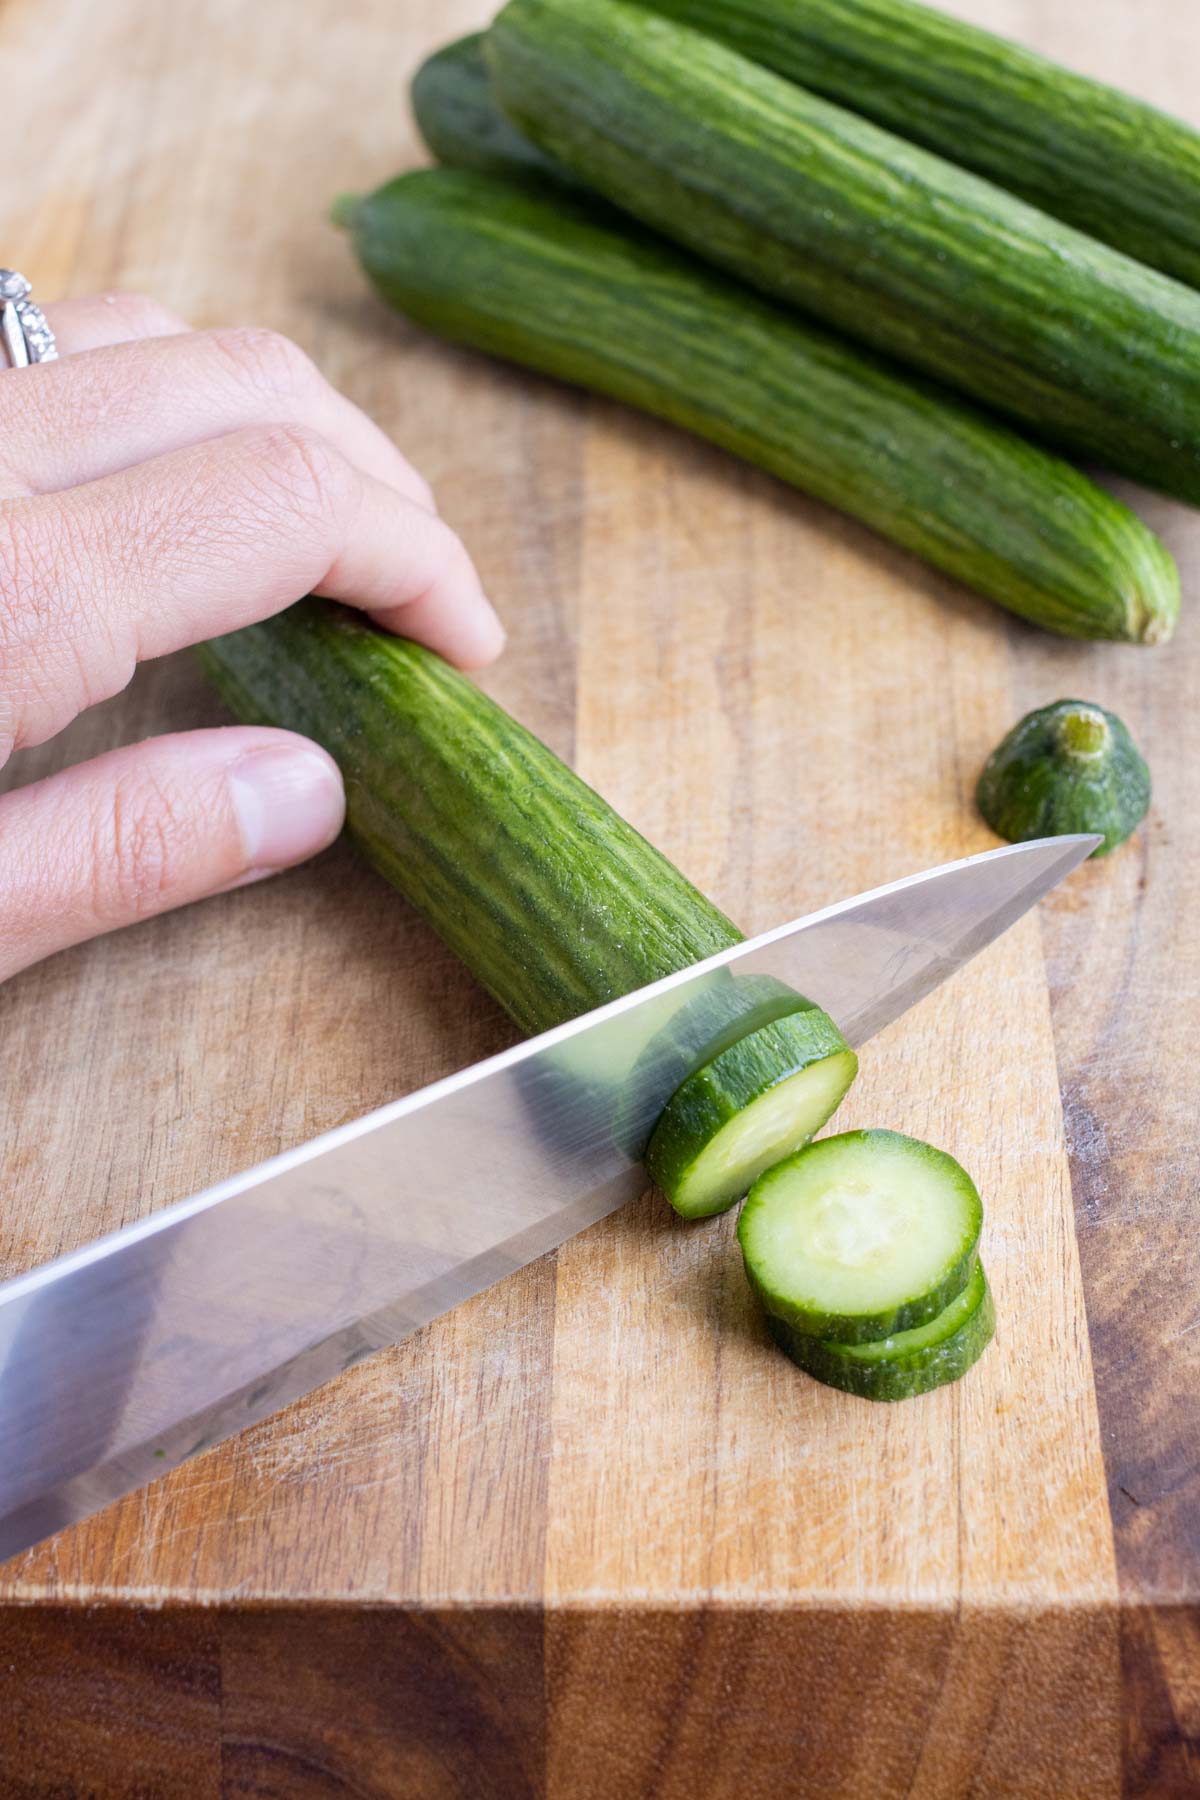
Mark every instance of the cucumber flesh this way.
pixel 908 1362
pixel 756 1102
pixel 861 1236
pixel 715 1015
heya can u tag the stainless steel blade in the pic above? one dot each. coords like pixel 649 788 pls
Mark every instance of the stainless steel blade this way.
pixel 123 1359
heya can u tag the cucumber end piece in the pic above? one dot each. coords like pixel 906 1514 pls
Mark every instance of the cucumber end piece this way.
pixel 908 1363
pixel 1068 767
pixel 708 1150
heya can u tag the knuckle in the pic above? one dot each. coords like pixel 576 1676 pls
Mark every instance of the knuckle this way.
pixel 267 360
pixel 305 471
pixel 140 850
pixel 27 585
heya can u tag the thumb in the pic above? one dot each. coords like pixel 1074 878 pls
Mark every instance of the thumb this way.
pixel 153 826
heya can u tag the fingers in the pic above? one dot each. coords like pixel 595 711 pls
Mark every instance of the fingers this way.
pixel 151 827
pixel 93 414
pixel 109 319
pixel 202 541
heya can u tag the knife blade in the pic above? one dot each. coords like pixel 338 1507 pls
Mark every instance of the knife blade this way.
pixel 121 1360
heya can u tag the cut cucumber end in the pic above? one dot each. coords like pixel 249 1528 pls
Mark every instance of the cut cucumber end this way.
pixel 907 1363
pixel 861 1236
pixel 753 1104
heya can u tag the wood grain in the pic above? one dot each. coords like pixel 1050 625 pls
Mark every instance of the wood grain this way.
pixel 587 1535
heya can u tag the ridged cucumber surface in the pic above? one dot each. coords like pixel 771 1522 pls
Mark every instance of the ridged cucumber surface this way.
pixel 550 898
pixel 1068 767
pixel 909 1362
pixel 548 284
pixel 1110 164
pixel 553 901
pixel 827 211
pixel 461 124
pixel 861 1235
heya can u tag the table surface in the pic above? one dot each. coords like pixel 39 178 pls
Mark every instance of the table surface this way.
pixel 793 711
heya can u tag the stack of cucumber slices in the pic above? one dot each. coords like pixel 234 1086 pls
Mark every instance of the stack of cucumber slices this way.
pixel 864 1251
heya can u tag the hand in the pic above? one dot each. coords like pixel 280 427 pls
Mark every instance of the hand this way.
pixel 159 486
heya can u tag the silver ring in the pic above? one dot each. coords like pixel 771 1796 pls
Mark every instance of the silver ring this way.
pixel 25 335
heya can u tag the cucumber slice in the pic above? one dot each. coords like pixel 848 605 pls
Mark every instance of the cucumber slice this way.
pixel 755 1102
pixel 908 1362
pixel 725 1008
pixel 861 1236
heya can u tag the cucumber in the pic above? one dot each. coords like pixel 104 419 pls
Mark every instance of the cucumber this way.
pixel 1065 768
pixel 907 1363
pixel 860 1236
pixel 461 124
pixel 746 1108
pixel 1111 165
pixel 901 249
pixel 547 284
pixel 553 901
pixel 685 1032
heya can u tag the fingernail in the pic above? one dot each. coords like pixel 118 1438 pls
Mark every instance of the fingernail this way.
pixel 289 804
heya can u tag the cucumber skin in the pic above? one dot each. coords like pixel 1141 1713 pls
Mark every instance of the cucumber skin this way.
pixel 1094 351
pixel 461 124
pixel 864 1328
pixel 559 289
pixel 1112 166
pixel 908 1373
pixel 717 1093
pixel 551 899
pixel 1031 788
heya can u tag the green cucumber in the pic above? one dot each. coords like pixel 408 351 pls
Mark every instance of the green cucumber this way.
pixel 907 1363
pixel 552 900
pixel 825 210
pixel 746 1108
pixel 1111 165
pixel 860 1236
pixel 1070 767
pixel 550 285
pixel 461 124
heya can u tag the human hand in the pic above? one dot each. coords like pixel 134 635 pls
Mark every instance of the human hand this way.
pixel 159 486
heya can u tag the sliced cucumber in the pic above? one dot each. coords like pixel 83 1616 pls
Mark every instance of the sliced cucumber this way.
pixel 861 1236
pixel 717 1013
pixel 755 1102
pixel 908 1362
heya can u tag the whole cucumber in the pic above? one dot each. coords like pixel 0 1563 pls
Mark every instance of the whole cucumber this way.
pixel 822 209
pixel 1107 163
pixel 546 283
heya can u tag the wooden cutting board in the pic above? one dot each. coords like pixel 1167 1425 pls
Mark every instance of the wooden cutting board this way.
pixel 588 1535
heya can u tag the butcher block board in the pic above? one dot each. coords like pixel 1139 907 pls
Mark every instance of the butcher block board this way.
pixel 588 1535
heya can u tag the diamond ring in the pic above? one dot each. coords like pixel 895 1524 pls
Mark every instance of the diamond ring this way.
pixel 24 333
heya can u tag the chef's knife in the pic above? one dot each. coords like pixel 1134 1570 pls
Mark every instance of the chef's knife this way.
pixel 121 1360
